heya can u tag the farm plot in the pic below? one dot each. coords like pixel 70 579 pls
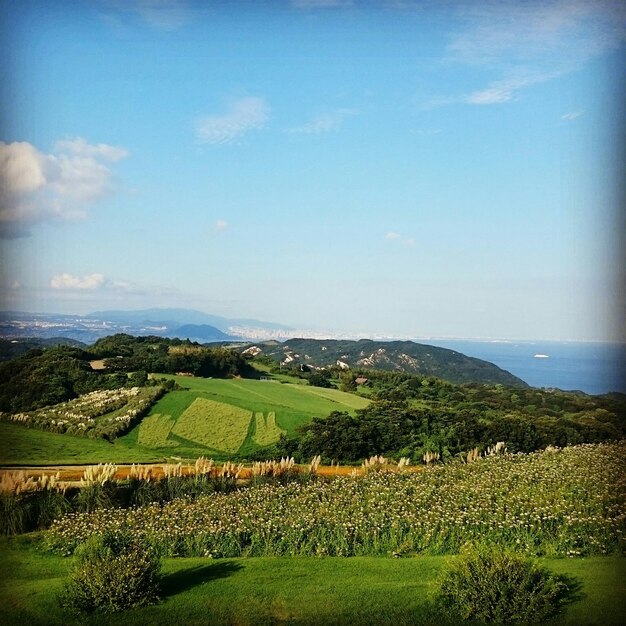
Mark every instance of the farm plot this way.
pixel 266 431
pixel 219 426
pixel 154 431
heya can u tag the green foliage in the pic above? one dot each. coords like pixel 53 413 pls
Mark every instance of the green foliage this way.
pixel 94 496
pixel 113 573
pixel 14 513
pixel 496 585
pixel 49 504
pixel 410 414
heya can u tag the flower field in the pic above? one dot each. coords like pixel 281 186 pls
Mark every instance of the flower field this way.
pixel 105 413
pixel 568 502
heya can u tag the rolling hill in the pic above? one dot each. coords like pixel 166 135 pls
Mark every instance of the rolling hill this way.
pixel 402 356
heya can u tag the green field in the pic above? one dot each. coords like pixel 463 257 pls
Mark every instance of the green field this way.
pixel 155 430
pixel 216 425
pixel 359 590
pixel 158 436
pixel 265 429
pixel 220 417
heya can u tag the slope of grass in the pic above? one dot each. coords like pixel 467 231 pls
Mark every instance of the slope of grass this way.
pixel 20 446
pixel 154 431
pixel 265 430
pixel 216 425
pixel 289 590
pixel 292 405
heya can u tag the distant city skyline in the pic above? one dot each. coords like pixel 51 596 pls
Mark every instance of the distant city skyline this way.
pixel 400 169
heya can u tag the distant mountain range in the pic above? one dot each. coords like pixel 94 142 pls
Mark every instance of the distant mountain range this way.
pixel 401 356
pixel 406 356
pixel 173 323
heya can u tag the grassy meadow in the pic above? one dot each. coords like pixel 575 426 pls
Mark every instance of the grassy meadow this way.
pixel 301 590
pixel 209 417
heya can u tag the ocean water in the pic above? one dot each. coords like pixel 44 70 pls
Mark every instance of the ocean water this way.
pixel 594 368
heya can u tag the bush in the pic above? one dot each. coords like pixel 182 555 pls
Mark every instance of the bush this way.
pixel 113 573
pixel 492 584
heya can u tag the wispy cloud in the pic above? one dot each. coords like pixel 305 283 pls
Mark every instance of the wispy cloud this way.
pixel 566 31
pixel 219 226
pixel 37 187
pixel 400 239
pixel 320 4
pixel 243 115
pixel 568 117
pixel 506 90
pixel 99 283
pixel 323 123
pixel 528 43
pixel 165 15
pixel 67 281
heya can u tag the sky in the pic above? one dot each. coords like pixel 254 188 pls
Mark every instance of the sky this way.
pixel 414 169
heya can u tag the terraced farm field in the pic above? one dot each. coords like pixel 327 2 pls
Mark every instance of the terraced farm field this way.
pixel 216 425
pixel 225 417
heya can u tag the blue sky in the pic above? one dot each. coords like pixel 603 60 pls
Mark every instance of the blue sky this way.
pixel 400 168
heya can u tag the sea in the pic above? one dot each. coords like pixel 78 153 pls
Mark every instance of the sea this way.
pixel 594 368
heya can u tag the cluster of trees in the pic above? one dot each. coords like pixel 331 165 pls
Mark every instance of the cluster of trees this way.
pixel 410 415
pixel 42 377
pixel 126 353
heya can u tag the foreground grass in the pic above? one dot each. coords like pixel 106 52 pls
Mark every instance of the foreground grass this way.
pixel 20 446
pixel 288 590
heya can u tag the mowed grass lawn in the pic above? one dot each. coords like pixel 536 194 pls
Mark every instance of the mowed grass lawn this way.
pixel 287 590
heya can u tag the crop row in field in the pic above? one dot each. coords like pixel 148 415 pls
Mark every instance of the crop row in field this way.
pixel 567 502
pixel 219 426
pixel 103 413
pixel 266 431
pixel 155 430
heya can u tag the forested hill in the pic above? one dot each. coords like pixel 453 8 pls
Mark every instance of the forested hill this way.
pixel 401 356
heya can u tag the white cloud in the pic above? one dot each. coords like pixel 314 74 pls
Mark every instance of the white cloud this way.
pixel 537 31
pixel 163 15
pixel 244 115
pixel 80 147
pixel 531 42
pixel 320 4
pixel 505 90
pixel 400 239
pixel 324 123
pixel 220 225
pixel 36 187
pixel 572 115
pixel 67 281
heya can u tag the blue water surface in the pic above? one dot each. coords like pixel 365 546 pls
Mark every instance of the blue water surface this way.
pixel 594 368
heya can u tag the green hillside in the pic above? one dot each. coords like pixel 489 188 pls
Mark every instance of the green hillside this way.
pixel 223 417
pixel 220 418
pixel 394 356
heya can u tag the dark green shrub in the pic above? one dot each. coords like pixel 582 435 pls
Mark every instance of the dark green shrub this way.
pixel 493 584
pixel 49 504
pixel 93 496
pixel 14 513
pixel 112 573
